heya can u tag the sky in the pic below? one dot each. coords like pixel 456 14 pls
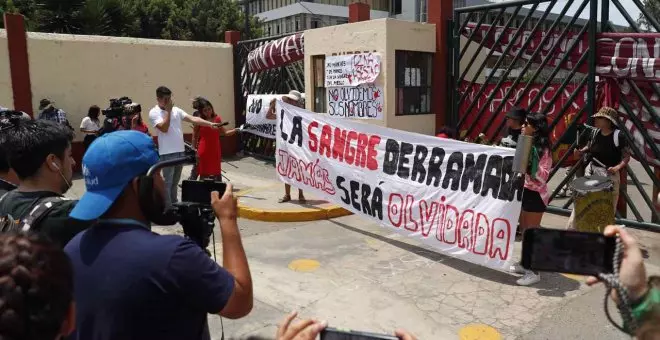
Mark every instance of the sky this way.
pixel 615 15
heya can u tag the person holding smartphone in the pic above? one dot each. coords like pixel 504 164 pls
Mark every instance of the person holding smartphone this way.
pixel 535 196
pixel 209 149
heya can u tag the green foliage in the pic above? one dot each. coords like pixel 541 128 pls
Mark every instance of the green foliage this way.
pixel 201 20
pixel 653 8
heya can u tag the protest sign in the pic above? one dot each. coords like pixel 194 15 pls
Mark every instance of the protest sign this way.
pixel 351 70
pixel 459 198
pixel 359 102
pixel 257 119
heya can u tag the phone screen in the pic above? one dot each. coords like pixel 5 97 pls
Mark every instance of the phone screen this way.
pixel 200 191
pixel 340 334
pixel 565 251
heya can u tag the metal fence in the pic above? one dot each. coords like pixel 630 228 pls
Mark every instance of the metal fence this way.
pixel 542 55
pixel 272 81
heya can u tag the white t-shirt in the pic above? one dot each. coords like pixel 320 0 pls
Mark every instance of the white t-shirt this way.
pixel 88 124
pixel 172 140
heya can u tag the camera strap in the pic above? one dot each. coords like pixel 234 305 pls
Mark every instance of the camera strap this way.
pixel 613 283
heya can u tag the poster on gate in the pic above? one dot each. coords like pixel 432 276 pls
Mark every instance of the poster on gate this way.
pixel 258 119
pixel 351 70
pixel 459 198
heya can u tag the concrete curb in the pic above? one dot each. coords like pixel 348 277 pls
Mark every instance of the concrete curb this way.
pixel 289 215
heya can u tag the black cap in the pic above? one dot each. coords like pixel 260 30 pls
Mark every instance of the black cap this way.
pixel 517 113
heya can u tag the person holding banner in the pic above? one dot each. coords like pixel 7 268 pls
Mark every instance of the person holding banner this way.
pixel 293 98
pixel 535 195
pixel 209 150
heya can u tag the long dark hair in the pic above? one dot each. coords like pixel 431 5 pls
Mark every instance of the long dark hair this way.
pixel 542 134
pixel 204 104
pixel 94 112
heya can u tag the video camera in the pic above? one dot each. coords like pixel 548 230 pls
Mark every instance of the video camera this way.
pixel 117 107
pixel 194 213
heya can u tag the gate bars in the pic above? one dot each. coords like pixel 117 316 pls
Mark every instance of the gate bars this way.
pixel 278 80
pixel 561 35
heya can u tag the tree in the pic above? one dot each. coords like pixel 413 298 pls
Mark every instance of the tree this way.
pixel 653 8
pixel 60 16
pixel 209 19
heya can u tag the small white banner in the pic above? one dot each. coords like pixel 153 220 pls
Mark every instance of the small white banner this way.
pixel 352 69
pixel 460 198
pixel 258 119
pixel 359 102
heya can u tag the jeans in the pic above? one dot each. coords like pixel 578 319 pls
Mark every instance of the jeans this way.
pixel 172 176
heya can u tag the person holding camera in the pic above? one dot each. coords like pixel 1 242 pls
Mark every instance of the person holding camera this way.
pixel 132 283
pixel 166 119
pixel 91 125
pixel 40 154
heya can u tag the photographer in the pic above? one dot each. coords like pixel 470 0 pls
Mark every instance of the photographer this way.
pixel 132 283
pixel 166 119
pixel 40 154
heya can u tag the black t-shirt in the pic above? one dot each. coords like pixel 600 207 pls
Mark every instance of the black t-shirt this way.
pixel 57 224
pixel 132 283
pixel 604 149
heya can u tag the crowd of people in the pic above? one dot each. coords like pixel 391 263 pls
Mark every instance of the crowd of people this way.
pixel 93 269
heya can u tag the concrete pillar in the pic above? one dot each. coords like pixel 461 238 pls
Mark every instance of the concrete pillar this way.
pixel 230 144
pixel 359 11
pixel 440 13
pixel 19 66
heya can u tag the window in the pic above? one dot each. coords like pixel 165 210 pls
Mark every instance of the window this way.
pixel 297 23
pixel 318 69
pixel 413 82
pixel 342 21
pixel 288 26
pixel 277 29
pixel 316 22
pixel 396 7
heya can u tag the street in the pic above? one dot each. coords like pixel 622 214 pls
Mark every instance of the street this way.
pixel 358 275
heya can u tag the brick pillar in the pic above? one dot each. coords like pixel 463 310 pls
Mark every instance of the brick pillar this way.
pixel 359 11
pixel 230 144
pixel 440 13
pixel 19 66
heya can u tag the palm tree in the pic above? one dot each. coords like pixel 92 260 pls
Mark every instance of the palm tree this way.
pixel 60 16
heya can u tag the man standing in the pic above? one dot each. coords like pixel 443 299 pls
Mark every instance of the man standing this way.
pixel 132 283
pixel 293 98
pixel 48 111
pixel 514 123
pixel 166 119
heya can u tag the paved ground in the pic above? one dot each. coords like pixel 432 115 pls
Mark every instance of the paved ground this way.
pixel 359 275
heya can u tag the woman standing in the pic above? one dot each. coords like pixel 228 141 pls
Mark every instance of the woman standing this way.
pixel 209 151
pixel 535 196
pixel 91 125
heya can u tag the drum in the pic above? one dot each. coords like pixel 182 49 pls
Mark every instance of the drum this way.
pixel 593 203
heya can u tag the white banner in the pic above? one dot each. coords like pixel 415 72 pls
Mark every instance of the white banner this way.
pixel 360 102
pixel 457 197
pixel 258 120
pixel 352 69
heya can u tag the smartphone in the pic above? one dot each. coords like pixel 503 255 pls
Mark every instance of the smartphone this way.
pixel 347 334
pixel 200 191
pixel 564 251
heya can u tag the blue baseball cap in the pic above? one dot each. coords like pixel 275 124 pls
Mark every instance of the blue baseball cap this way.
pixel 110 163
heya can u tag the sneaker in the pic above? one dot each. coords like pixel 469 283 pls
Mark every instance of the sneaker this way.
pixel 529 278
pixel 517 268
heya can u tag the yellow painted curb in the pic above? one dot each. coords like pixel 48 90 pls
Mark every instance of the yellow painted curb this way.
pixel 479 332
pixel 289 215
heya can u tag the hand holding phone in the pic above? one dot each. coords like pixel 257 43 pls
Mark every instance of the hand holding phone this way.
pixel 632 272
pixel 566 251
pixel 341 334
pixel 302 330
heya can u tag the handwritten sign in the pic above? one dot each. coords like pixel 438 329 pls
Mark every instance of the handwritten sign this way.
pixel 259 119
pixel 360 102
pixel 462 199
pixel 351 70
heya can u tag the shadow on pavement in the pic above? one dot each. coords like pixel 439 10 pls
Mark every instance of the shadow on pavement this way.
pixel 552 284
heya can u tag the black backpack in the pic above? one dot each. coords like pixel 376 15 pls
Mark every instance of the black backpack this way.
pixel 36 214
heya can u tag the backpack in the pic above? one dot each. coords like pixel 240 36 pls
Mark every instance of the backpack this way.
pixel 38 211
